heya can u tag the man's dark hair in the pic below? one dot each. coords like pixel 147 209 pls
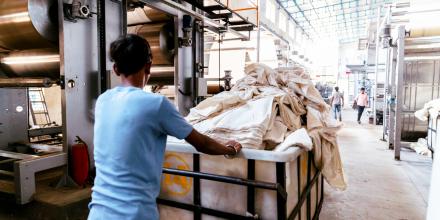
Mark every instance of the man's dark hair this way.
pixel 362 89
pixel 130 53
pixel 337 88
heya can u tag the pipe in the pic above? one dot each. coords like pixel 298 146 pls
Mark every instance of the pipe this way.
pixel 26 82
pixel 161 75
pixel 146 15
pixel 376 67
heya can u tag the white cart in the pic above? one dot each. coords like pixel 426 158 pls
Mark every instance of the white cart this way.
pixel 257 184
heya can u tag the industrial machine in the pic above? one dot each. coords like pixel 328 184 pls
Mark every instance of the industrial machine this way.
pixel 64 44
pixel 411 71
pixel 47 43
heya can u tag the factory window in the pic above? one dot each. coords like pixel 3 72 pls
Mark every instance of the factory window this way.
pixel 270 11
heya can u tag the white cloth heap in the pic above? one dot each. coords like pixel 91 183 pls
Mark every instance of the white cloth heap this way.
pixel 431 108
pixel 274 109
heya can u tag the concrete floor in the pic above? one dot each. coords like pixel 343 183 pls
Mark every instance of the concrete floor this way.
pixel 379 187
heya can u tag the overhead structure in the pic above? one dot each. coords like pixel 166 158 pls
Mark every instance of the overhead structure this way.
pixel 346 20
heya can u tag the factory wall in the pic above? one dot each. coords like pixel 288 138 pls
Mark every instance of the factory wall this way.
pixel 53 102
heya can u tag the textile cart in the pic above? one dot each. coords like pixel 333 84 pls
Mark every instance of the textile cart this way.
pixel 257 184
pixel 432 138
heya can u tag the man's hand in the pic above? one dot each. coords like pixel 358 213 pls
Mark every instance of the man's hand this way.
pixel 207 145
pixel 235 146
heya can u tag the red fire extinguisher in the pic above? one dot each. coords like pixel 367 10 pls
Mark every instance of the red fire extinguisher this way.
pixel 80 163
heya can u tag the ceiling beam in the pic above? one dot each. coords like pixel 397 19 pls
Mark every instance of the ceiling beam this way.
pixel 299 8
pixel 293 19
pixel 350 15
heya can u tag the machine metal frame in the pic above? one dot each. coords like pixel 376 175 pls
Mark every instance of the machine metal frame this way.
pixel 24 166
pixel 403 99
pixel 252 184
pixel 433 134
pixel 397 91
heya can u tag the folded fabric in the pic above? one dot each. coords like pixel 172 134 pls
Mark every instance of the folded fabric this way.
pixel 274 109
pixel 276 133
pixel 247 123
pixel 216 104
pixel 298 138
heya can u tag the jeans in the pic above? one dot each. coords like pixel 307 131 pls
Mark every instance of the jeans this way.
pixel 337 111
pixel 360 111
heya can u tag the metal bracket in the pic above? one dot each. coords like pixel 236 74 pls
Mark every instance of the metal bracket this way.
pixel 76 10
pixel 25 170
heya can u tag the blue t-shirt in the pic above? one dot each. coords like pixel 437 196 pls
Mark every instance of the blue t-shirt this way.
pixel 131 128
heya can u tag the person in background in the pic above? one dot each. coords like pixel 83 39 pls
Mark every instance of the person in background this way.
pixel 337 102
pixel 130 134
pixel 361 102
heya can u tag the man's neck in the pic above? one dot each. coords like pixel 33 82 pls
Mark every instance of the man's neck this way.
pixel 135 80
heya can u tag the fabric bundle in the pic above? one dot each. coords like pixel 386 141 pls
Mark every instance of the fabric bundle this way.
pixel 274 109
pixel 432 108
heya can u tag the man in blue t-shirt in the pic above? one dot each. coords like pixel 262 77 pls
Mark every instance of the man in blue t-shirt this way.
pixel 131 128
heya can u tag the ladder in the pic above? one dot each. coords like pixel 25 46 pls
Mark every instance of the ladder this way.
pixel 38 107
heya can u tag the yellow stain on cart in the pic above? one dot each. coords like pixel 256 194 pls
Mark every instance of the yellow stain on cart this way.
pixel 173 184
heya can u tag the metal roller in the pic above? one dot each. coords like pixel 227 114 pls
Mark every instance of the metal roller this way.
pixel 28 24
pixel 215 89
pixel 145 15
pixel 161 75
pixel 31 63
pixel 26 82
pixel 423 18
pixel 161 39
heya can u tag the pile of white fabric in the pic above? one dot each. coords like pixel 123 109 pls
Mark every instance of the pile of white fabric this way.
pixel 421 147
pixel 274 109
pixel 431 109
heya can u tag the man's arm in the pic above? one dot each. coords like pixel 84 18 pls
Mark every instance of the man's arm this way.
pixel 207 145
pixel 172 123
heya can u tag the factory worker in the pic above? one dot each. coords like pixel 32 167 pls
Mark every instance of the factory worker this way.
pixel 361 102
pixel 131 129
pixel 337 101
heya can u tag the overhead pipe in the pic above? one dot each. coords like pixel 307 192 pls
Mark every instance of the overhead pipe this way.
pixel 26 82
